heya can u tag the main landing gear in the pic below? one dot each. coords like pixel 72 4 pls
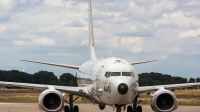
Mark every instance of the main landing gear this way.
pixel 135 108
pixel 71 107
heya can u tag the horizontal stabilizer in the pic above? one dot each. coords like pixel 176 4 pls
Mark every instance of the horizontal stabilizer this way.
pixel 54 64
pixel 135 63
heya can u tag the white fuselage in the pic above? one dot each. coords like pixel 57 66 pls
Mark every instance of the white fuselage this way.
pixel 109 80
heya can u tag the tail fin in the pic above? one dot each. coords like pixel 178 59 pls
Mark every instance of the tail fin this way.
pixel 91 35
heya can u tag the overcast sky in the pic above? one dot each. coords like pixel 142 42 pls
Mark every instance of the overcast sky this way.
pixel 135 30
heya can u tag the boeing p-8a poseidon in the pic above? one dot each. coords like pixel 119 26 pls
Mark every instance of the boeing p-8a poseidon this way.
pixel 107 81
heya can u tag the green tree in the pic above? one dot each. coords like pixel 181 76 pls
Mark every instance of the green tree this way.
pixel 198 79
pixel 67 79
pixel 191 80
pixel 44 77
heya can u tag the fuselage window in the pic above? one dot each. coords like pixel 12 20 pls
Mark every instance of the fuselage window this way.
pixel 116 74
pixel 107 74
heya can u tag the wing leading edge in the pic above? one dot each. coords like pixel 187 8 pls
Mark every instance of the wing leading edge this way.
pixel 146 89
pixel 54 64
pixel 81 91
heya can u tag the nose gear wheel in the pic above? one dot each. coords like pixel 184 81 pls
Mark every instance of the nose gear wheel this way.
pixel 71 107
pixel 135 107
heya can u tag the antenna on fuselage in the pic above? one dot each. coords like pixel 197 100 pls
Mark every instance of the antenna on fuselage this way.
pixel 91 34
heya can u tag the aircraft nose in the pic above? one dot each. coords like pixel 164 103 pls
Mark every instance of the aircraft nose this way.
pixel 122 88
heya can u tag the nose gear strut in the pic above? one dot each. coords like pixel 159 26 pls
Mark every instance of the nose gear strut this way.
pixel 135 107
pixel 71 107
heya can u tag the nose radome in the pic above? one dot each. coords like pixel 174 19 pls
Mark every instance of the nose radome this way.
pixel 122 88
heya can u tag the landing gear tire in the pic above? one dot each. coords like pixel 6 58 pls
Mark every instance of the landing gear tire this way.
pixel 71 107
pixel 129 109
pixel 76 109
pixel 66 109
pixel 135 107
pixel 139 108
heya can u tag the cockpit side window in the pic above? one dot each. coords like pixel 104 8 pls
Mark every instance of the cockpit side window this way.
pixel 132 74
pixel 107 74
pixel 116 74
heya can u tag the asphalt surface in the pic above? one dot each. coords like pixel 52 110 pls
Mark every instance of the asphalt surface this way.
pixel 33 107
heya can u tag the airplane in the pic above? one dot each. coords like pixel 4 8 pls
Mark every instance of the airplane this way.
pixel 106 81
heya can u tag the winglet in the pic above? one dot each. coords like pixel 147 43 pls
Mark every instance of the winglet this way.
pixel 134 63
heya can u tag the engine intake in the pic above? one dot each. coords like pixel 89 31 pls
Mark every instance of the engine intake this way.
pixel 163 101
pixel 51 100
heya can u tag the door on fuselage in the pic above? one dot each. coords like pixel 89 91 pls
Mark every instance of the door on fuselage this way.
pixel 97 77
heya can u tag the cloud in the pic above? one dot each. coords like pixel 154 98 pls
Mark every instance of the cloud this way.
pixel 192 3
pixel 54 3
pixel 193 26
pixel 103 16
pixel 46 30
pixel 176 50
pixel 9 7
pixel 189 34
pixel 160 7
pixel 19 43
pixel 140 33
pixel 167 25
pixel 140 29
pixel 74 24
pixel 85 42
pixel 163 57
pixel 2 28
pixel 1 49
pixel 44 41
pixel 131 40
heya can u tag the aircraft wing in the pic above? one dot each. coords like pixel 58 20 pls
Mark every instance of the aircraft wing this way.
pixel 146 89
pixel 81 91
pixel 53 64
pixel 134 63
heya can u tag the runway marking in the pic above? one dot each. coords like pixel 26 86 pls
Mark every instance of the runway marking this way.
pixel 10 108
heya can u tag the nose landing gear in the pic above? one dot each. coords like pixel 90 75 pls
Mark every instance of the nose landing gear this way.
pixel 135 108
pixel 71 107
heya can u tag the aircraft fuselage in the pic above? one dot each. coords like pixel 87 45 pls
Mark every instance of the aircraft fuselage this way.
pixel 109 80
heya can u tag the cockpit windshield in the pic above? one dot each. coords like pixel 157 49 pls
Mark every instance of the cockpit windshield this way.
pixel 127 74
pixel 115 74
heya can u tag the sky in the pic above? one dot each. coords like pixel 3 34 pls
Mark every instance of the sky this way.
pixel 135 30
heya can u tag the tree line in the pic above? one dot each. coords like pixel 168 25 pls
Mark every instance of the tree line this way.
pixel 150 79
pixel 41 77
pixel 67 79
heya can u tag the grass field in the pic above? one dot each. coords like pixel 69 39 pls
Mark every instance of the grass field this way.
pixel 184 97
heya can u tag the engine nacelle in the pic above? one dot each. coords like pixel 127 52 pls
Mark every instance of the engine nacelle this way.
pixel 51 100
pixel 163 101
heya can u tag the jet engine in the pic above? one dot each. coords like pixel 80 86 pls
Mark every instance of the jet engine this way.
pixel 51 100
pixel 163 101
